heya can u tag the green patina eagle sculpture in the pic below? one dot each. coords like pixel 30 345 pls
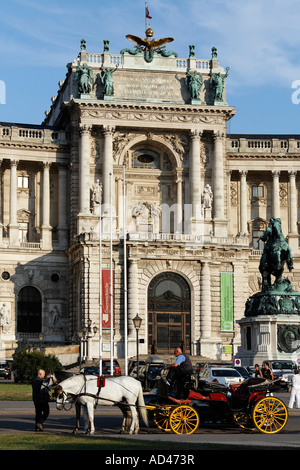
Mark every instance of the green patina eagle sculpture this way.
pixel 149 46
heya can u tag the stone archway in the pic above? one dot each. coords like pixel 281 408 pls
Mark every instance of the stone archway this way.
pixel 29 310
pixel 169 313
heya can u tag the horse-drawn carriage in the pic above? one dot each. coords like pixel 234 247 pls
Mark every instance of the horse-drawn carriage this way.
pixel 251 405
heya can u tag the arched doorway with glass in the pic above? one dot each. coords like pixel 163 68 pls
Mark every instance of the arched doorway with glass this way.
pixel 169 314
pixel 29 310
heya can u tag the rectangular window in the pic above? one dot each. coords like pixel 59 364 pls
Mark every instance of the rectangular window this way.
pixel 257 244
pixel 23 233
pixel 258 191
pixel 23 182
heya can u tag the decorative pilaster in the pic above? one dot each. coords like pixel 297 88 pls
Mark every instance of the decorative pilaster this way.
pixel 276 197
pixel 195 180
pixel 13 222
pixel 178 225
pixel 133 304
pixel 293 236
pixel 218 177
pixel 62 210
pixel 243 204
pixel 220 223
pixel 84 170
pixel 292 203
pixel 107 168
pixel 46 227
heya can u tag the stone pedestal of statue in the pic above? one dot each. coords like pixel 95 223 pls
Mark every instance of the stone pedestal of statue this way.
pixel 271 327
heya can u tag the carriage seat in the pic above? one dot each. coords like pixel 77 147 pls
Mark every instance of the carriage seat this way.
pixel 206 388
pixel 182 387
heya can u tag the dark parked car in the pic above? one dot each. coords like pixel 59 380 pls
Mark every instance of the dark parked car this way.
pixel 5 370
pixel 94 370
pixel 133 363
pixel 150 371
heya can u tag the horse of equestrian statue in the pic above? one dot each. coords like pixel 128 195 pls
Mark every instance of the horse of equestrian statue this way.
pixel 276 254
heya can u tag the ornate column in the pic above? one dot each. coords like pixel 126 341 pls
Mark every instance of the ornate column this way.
pixel 107 167
pixel 62 209
pixel 276 198
pixel 13 220
pixel 293 204
pixel 46 227
pixel 220 223
pixel 243 204
pixel 120 224
pixel 178 227
pixel 195 179
pixel 218 177
pixel 84 170
pixel 133 303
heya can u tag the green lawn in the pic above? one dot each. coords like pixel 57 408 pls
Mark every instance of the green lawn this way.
pixel 70 442
pixel 15 392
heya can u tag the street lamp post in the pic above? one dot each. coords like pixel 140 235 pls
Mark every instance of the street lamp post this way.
pixel 137 321
pixel 80 336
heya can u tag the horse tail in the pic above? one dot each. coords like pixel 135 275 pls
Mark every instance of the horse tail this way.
pixel 142 407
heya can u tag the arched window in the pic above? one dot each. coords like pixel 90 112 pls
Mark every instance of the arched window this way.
pixel 145 159
pixel 29 310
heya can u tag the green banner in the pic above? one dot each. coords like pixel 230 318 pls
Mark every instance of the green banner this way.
pixel 226 302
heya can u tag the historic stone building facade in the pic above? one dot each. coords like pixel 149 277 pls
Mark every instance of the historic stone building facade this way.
pixel 140 139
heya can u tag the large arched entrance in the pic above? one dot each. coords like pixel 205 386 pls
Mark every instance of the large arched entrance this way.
pixel 169 313
pixel 29 310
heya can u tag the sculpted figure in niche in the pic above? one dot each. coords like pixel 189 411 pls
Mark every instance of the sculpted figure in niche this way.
pixel 140 214
pixel 55 316
pixel 207 197
pixel 96 196
pixel 155 213
pixel 4 316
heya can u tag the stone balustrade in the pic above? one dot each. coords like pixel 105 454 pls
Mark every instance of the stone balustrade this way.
pixel 15 133
pixel 260 144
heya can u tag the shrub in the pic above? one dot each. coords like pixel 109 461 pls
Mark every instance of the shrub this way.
pixel 26 365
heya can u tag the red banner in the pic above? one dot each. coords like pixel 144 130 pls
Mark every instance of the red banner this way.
pixel 106 320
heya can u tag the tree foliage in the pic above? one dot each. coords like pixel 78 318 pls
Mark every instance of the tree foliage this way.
pixel 26 364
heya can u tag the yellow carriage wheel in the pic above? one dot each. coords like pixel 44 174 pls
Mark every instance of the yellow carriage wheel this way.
pixel 184 420
pixel 161 419
pixel 270 415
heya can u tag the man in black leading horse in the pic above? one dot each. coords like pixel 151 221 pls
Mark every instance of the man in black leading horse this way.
pixel 40 397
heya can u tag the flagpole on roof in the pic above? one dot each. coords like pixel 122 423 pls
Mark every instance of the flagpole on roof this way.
pixel 147 15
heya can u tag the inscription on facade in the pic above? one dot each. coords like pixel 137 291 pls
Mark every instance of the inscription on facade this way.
pixel 149 86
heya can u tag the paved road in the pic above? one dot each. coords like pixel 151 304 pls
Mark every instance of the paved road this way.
pixel 18 417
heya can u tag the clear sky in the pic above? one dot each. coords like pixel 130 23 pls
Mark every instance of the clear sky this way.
pixel 258 39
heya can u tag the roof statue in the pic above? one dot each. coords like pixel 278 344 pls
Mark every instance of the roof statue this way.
pixel 84 78
pixel 149 46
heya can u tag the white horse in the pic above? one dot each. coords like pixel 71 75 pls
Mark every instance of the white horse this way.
pixel 124 392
